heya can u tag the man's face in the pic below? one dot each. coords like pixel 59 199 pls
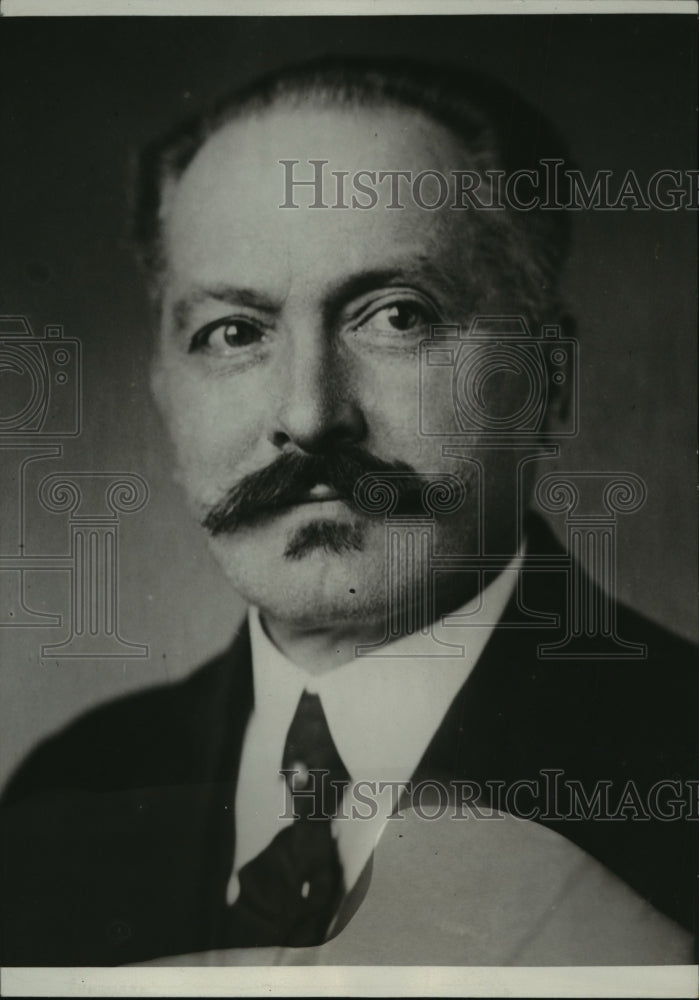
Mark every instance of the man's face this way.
pixel 296 331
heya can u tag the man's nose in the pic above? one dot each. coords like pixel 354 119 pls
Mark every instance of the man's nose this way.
pixel 317 407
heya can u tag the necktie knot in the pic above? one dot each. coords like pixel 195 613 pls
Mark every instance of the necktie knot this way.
pixel 311 764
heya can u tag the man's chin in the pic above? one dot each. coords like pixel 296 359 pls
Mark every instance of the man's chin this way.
pixel 320 570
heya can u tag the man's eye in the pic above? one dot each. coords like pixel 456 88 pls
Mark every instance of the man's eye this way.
pixel 398 317
pixel 227 336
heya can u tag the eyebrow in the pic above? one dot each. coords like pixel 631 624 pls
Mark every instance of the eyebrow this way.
pixel 229 295
pixel 417 268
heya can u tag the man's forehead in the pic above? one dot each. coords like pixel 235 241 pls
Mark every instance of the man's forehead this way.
pixel 378 137
pixel 230 197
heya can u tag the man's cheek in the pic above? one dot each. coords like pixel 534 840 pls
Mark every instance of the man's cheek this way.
pixel 200 465
pixel 391 410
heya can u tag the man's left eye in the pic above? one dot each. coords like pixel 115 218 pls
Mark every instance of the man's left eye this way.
pixel 400 317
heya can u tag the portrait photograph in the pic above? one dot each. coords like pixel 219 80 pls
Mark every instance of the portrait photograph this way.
pixel 348 538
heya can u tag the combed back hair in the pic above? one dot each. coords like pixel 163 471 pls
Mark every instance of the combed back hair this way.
pixel 521 251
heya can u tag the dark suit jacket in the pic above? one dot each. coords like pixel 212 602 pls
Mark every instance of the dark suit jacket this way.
pixel 118 831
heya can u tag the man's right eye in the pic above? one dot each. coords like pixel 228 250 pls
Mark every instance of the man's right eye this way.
pixel 225 337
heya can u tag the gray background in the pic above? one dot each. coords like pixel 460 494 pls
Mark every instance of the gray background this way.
pixel 80 95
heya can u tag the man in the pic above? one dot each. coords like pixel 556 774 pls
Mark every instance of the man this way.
pixel 401 595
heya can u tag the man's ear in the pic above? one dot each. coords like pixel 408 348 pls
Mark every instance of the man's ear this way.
pixel 561 390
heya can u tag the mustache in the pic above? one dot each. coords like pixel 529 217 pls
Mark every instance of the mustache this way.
pixel 291 476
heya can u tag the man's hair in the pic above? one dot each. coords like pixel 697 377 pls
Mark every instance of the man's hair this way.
pixel 496 128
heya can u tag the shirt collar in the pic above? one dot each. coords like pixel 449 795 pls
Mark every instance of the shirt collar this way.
pixel 382 709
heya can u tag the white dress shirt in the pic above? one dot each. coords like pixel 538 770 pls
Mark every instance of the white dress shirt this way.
pixel 382 712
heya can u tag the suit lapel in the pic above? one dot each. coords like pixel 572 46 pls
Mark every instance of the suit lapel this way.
pixel 488 725
pixel 226 706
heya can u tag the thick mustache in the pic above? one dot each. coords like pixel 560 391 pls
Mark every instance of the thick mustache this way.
pixel 291 476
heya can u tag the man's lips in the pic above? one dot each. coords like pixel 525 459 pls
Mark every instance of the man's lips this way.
pixel 318 494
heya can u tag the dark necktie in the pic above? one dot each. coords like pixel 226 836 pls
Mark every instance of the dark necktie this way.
pixel 291 891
